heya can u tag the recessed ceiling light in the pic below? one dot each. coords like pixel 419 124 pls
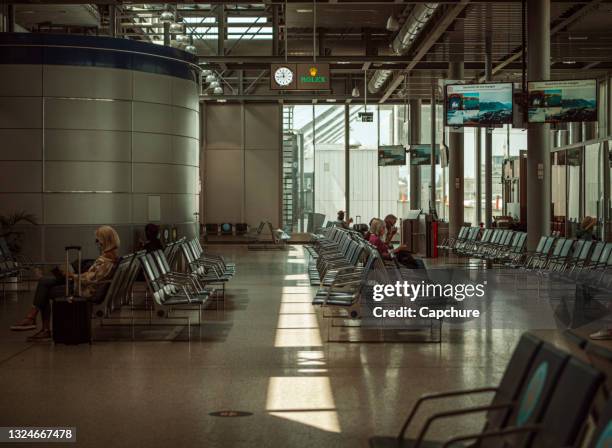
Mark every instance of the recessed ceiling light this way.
pixel 302 11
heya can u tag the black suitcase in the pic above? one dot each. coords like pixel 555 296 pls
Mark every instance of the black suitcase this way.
pixel 72 313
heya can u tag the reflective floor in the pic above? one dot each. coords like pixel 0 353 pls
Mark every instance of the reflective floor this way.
pixel 265 353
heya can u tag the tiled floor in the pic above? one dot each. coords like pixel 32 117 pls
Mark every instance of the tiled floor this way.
pixel 265 354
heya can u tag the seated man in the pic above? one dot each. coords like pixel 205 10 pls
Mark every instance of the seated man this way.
pixel 50 288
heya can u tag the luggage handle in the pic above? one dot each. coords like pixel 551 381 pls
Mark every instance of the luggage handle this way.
pixel 78 249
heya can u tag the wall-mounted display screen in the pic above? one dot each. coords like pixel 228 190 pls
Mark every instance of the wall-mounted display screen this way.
pixel 421 155
pixel 478 104
pixel 562 101
pixel 391 155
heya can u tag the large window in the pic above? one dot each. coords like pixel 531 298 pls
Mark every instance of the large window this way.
pixel 363 164
pixel 394 180
pixel 329 147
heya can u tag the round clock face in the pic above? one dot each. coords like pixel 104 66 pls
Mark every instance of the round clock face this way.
pixel 283 76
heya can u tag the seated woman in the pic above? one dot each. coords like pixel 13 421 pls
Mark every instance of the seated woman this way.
pixel 49 288
pixel 377 230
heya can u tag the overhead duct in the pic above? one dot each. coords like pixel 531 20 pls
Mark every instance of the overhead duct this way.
pixel 416 21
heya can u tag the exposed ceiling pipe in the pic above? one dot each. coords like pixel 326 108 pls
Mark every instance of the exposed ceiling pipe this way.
pixel 416 21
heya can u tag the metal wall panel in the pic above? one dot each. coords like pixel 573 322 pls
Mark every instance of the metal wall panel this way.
pixel 12 202
pixel 21 177
pixel 109 146
pixel 224 187
pixel 93 208
pixel 174 178
pixel 261 124
pixel 88 114
pixel 261 177
pixel 185 150
pixel 87 82
pixel 21 80
pixel 155 118
pixel 223 128
pixel 21 144
pixel 152 88
pixel 149 147
pixel 88 176
pixel 185 94
pixel 20 113
pixel 91 142
pixel 185 122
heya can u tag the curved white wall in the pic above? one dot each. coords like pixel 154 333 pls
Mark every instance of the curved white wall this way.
pixel 85 146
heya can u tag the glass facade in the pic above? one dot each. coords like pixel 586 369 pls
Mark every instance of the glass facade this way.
pixel 330 160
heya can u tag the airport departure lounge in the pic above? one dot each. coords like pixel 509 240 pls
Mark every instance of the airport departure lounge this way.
pixel 292 223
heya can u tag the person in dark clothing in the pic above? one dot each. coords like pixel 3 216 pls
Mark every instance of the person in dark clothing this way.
pixel 153 242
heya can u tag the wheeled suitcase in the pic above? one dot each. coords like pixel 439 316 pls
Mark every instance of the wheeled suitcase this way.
pixel 72 313
pixel 359 227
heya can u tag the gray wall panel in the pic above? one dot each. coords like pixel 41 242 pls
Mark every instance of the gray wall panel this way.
pixel 88 114
pixel 23 177
pixel 176 178
pixel 20 113
pixel 185 94
pixel 21 80
pixel 223 186
pixel 87 176
pixel 262 126
pixel 149 87
pixel 87 82
pixel 185 122
pixel 223 126
pixel 21 144
pixel 148 147
pixel 262 186
pixel 15 202
pixel 185 150
pixel 82 208
pixel 110 146
pixel 157 118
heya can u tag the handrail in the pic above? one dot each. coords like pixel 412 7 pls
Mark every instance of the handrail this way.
pixel 581 144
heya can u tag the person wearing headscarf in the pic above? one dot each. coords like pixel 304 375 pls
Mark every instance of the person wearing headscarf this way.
pixel 50 288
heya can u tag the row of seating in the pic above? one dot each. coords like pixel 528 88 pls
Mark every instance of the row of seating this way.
pixel 169 287
pixel 493 245
pixel 345 267
pixel 545 399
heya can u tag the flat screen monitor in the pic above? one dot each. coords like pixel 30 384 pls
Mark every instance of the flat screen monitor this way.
pixel 391 155
pixel 478 104
pixel 421 154
pixel 562 101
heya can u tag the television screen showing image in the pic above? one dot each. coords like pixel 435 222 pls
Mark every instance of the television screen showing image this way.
pixel 562 101
pixel 478 104
pixel 421 154
pixel 391 155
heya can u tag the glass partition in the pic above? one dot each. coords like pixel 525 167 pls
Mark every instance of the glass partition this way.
pixel 394 180
pixel 363 164
pixel 593 184
pixel 329 166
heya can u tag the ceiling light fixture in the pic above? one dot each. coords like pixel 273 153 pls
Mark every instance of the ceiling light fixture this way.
pixel 392 23
pixel 355 93
pixel 303 11
pixel 166 17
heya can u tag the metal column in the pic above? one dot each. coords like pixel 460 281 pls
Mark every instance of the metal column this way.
pixel 167 34
pixel 10 18
pixel 432 177
pixel 455 167
pixel 415 138
pixel 221 30
pixel 538 137
pixel 488 160
pixel 112 20
pixel 477 175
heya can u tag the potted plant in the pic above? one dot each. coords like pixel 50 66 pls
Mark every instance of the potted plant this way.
pixel 14 238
